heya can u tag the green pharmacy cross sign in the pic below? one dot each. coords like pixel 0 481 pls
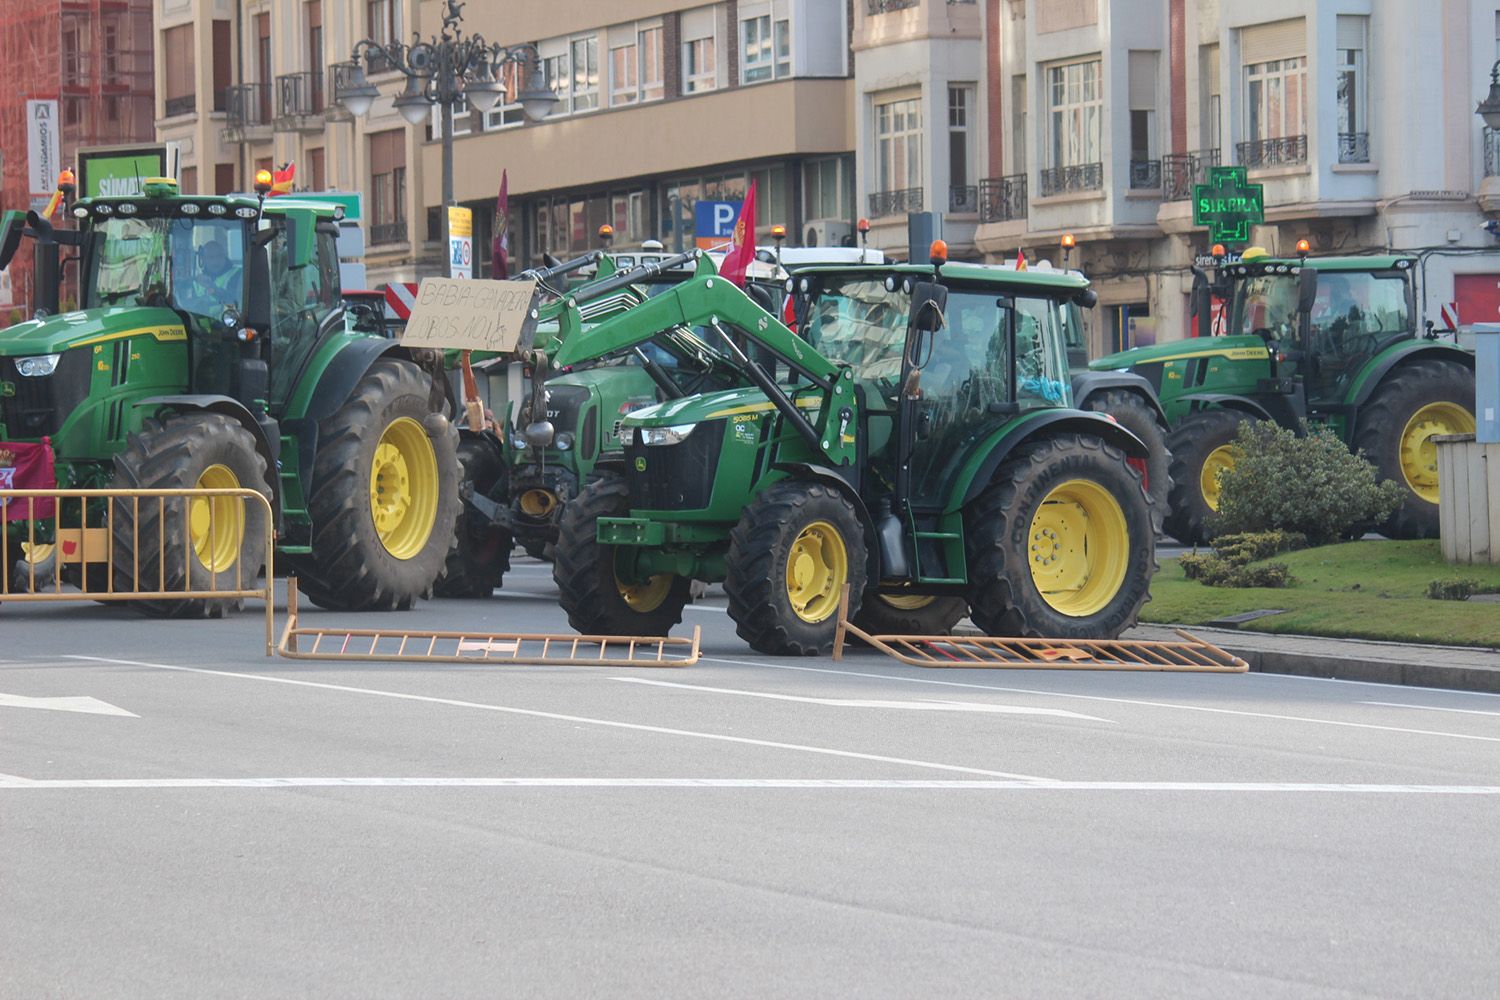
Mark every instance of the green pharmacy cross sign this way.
pixel 1228 205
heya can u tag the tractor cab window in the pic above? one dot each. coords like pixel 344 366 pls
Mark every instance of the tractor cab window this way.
pixel 860 323
pixel 1266 304
pixel 301 299
pixel 1355 313
pixel 194 265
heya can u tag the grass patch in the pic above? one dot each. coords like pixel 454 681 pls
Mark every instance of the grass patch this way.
pixel 1357 590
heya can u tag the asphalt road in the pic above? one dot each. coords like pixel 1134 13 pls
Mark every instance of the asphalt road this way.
pixel 224 825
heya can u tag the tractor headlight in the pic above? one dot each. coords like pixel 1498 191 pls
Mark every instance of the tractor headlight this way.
pixel 518 442
pixel 39 366
pixel 564 441
pixel 627 436
pixel 666 435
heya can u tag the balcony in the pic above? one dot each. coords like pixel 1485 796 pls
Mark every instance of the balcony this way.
pixel 299 102
pixel 963 198
pixel 1002 199
pixel 895 202
pixel 1071 179
pixel 873 7
pixel 388 232
pixel 180 106
pixel 247 112
pixel 1287 150
pixel 1145 175
pixel 1180 171
pixel 1354 147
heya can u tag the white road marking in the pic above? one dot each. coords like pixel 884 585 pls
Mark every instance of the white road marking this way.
pixel 77 703
pixel 535 713
pixel 913 706
pixel 1432 708
pixel 17 784
pixel 1111 700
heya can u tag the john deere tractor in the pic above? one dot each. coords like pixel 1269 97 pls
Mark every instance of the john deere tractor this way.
pixel 211 349
pixel 1329 341
pixel 937 467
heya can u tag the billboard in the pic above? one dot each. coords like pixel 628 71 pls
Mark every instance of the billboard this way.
pixel 43 155
pixel 119 171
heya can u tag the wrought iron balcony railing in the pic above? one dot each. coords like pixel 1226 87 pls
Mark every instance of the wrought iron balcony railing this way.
pixel 1287 150
pixel 1002 199
pixel 1354 147
pixel 1145 174
pixel 388 232
pixel 247 112
pixel 1180 171
pixel 895 202
pixel 963 198
pixel 884 6
pixel 185 105
pixel 299 101
pixel 1075 177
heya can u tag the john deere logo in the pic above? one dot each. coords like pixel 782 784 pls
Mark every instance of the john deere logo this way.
pixel 7 388
pixel 640 465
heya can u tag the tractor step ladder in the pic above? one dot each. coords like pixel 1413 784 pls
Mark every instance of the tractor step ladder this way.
pixel 403 645
pixel 982 651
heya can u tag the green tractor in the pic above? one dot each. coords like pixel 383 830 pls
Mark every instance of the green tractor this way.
pixel 936 468
pixel 1329 341
pixel 212 350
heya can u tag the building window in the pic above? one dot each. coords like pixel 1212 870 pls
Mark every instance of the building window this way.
pixel 1349 65
pixel 960 103
pixel 555 72
pixel 1276 99
pixel 189 180
pixel 181 87
pixel 649 41
pixel 898 142
pixel 765 49
pixel 462 123
pixel 624 78
pixel 507 111
pixel 585 85
pixel 828 188
pixel 380 20
pixel 699 69
pixel 223 178
pixel 1074 105
pixel 317 179
pixel 1018 134
pixel 223 63
pixel 388 187
pixel 1210 134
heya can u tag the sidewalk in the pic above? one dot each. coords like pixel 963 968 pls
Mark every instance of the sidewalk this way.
pixel 1463 668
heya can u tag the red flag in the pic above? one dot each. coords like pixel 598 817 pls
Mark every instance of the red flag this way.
pixel 500 252
pixel 1020 259
pixel 26 466
pixel 737 260
pixel 282 179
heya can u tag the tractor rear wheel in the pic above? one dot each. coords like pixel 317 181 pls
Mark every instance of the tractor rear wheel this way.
pixel 1140 418
pixel 910 614
pixel 597 600
pixel 1201 448
pixel 794 549
pixel 480 560
pixel 1395 432
pixel 383 497
pixel 209 543
pixel 1060 544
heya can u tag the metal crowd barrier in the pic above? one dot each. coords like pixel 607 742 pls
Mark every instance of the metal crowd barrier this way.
pixel 78 543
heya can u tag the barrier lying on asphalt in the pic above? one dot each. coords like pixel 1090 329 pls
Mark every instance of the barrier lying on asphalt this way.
pixel 195 547
pixel 409 645
pixel 970 651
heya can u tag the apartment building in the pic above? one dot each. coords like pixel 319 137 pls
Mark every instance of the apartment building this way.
pixel 1357 116
pixel 249 84
pixel 662 104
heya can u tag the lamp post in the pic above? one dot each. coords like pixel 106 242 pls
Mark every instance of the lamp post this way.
pixel 1489 108
pixel 440 72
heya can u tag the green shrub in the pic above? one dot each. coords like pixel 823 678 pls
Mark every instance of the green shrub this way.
pixel 1214 570
pixel 1311 485
pixel 1457 590
pixel 1203 566
pixel 1249 547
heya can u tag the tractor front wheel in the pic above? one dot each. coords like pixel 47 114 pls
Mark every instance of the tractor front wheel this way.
pixel 383 497
pixel 1060 544
pixel 794 549
pixel 598 599
pixel 480 560
pixel 1202 446
pixel 205 543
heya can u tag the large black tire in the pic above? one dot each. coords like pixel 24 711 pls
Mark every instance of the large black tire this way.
pixel 477 564
pixel 596 602
pixel 1095 581
pixel 1198 446
pixel 795 547
pixel 1389 427
pixel 1143 420
pixel 893 614
pixel 224 539
pixel 539 549
pixel 352 567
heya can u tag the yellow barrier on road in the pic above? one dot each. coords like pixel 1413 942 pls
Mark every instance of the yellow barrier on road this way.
pixel 414 645
pixel 1191 655
pixel 105 562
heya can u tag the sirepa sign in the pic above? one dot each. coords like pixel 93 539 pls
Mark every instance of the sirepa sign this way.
pixel 43 154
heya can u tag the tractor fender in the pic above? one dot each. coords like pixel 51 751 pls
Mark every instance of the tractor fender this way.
pixel 976 475
pixel 1087 383
pixel 828 477
pixel 230 407
pixel 1227 401
pixel 1383 365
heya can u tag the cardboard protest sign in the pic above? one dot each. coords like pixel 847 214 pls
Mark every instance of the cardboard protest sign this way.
pixel 472 315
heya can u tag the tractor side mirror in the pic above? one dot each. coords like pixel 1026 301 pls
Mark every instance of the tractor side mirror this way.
pixel 1307 290
pixel 257 314
pixel 1088 298
pixel 929 302
pixel 12 228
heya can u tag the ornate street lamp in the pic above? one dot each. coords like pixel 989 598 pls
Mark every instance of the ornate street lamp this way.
pixel 441 72
pixel 1489 108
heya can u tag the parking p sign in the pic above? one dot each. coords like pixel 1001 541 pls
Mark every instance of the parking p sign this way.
pixel 713 222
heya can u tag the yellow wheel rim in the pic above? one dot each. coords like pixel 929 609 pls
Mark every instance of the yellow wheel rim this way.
pixel 817 567
pixel 37 553
pixel 404 488
pixel 1079 548
pixel 1221 459
pixel 648 596
pixel 1419 454
pixel 907 602
pixel 538 503
pixel 217 524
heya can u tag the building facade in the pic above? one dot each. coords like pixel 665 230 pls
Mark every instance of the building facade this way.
pixel 1357 116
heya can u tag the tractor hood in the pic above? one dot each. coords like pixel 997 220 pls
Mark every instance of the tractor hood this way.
pixel 86 327
pixel 1241 348
pixel 710 406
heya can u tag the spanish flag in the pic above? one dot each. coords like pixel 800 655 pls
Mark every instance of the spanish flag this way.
pixel 282 179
